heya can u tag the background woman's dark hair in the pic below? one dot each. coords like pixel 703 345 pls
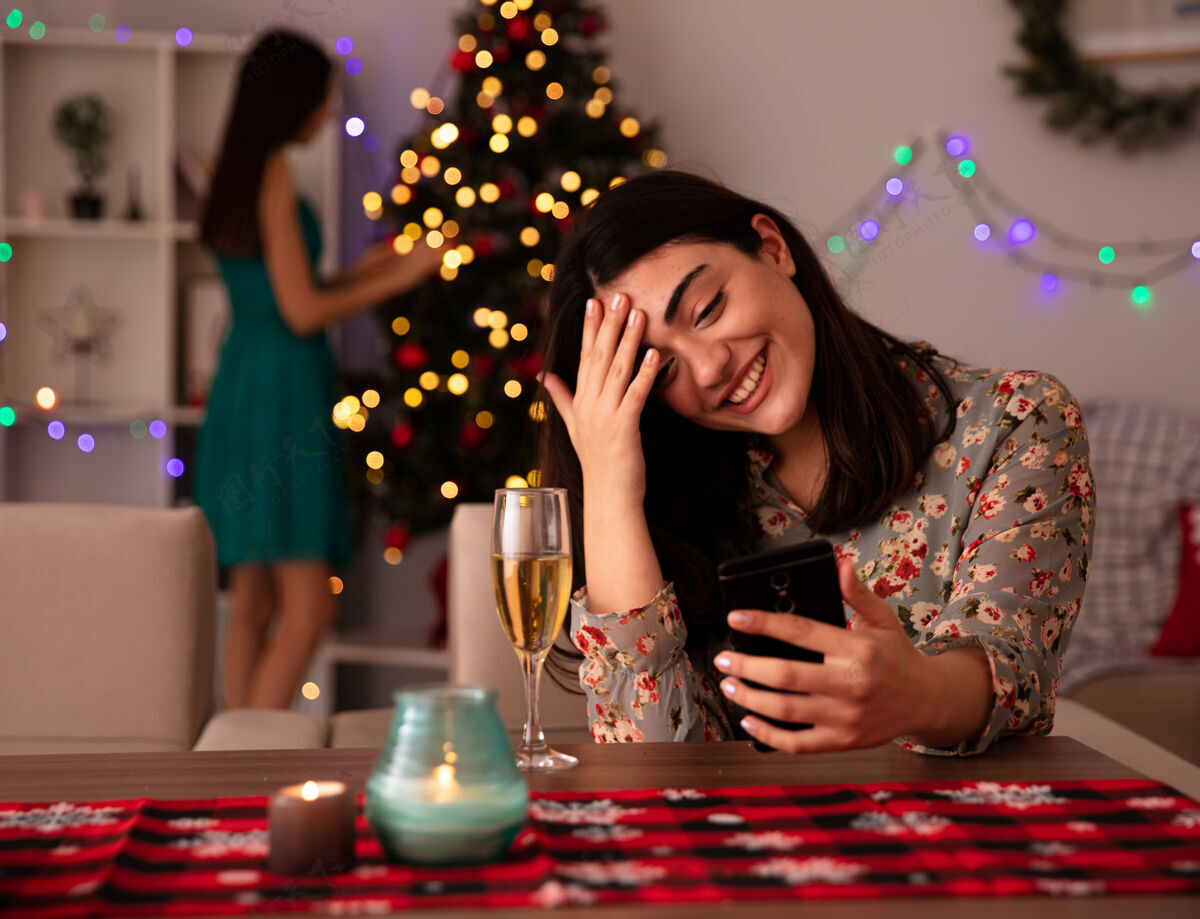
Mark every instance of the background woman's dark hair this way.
pixel 877 432
pixel 283 79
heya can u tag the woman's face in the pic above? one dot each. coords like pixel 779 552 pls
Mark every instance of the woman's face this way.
pixel 735 337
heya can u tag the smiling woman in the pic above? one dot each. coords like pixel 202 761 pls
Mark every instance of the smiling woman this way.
pixel 714 395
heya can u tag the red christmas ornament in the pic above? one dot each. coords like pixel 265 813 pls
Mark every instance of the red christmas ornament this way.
pixel 462 61
pixel 410 356
pixel 507 188
pixel 484 246
pixel 397 537
pixel 402 435
pixel 528 365
pixel 518 28
pixel 471 436
pixel 484 364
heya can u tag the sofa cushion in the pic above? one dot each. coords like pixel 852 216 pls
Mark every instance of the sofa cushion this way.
pixel 1180 636
pixel 1162 703
pixel 262 729
pixel 106 627
pixel 369 728
pixel 1145 463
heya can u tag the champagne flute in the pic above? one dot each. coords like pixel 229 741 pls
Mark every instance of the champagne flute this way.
pixel 531 573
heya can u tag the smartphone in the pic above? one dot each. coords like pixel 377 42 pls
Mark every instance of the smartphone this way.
pixel 797 580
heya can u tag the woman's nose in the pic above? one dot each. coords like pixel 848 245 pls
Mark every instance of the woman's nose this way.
pixel 710 364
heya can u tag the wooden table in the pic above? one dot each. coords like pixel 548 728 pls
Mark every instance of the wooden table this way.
pixel 94 777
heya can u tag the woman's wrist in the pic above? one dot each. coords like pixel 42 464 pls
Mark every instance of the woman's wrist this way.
pixel 955 701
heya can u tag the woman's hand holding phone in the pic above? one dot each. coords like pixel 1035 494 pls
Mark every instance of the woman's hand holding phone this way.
pixel 872 686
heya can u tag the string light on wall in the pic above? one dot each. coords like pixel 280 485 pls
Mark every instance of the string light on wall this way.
pixel 979 193
pixel 1005 225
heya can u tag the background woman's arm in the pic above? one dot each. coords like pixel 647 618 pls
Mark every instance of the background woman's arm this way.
pixel 304 306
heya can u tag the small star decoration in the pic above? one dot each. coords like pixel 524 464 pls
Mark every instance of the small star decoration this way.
pixel 80 328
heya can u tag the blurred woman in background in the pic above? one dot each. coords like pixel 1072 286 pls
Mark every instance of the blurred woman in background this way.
pixel 269 469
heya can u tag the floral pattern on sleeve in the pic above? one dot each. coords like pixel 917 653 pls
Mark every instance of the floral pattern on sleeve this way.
pixel 639 681
pixel 1022 559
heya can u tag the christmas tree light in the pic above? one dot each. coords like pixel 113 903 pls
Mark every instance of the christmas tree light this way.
pixel 507 156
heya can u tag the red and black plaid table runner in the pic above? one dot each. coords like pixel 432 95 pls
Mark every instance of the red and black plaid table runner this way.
pixel 139 857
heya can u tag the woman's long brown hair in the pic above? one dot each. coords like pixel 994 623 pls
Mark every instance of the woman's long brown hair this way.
pixel 283 79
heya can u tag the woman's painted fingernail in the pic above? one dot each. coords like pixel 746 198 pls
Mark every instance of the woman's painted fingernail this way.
pixel 633 314
pixel 651 357
pixel 738 617
pixel 728 687
pixel 723 662
pixel 591 307
pixel 618 301
pixel 748 726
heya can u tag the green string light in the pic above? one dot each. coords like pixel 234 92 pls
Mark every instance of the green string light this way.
pixel 7 416
pixel 1141 296
pixel 836 244
pixel 902 155
pixel 14 19
pixel 37 30
pixel 966 168
pixel 5 252
pixel 96 23
pixel 138 429
pixel 1107 254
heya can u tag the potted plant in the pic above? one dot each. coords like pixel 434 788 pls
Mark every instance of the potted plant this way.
pixel 83 125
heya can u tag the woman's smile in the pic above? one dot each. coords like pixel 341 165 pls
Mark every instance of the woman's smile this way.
pixel 750 387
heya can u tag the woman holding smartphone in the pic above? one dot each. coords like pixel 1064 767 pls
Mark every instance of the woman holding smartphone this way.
pixel 713 396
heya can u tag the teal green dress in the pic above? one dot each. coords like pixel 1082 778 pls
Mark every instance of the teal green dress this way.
pixel 269 466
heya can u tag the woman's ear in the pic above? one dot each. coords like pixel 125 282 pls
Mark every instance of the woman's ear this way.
pixel 774 248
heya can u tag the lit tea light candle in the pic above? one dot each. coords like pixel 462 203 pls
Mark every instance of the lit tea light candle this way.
pixel 311 829
pixel 441 821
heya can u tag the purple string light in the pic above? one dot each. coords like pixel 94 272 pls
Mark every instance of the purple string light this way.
pixel 957 146
pixel 1021 232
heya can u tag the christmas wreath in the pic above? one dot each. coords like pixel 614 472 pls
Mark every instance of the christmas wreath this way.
pixel 1087 100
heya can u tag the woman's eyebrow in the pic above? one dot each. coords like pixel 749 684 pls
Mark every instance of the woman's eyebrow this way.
pixel 677 294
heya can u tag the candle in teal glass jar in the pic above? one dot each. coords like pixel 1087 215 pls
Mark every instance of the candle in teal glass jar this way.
pixel 446 789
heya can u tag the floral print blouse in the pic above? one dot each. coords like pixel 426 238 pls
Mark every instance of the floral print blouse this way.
pixel 989 549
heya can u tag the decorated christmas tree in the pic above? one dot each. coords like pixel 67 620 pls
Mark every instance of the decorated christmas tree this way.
pixel 532 131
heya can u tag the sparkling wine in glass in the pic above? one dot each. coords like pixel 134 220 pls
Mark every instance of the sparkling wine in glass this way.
pixel 531 573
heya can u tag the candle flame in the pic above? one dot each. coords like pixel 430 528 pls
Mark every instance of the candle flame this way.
pixel 445 787
pixel 310 791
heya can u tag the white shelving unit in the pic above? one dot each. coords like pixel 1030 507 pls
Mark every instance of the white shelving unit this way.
pixel 163 99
